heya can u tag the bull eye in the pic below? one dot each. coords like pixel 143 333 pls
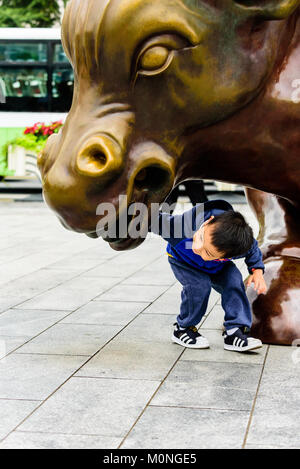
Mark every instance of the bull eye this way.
pixel 156 54
pixel 154 58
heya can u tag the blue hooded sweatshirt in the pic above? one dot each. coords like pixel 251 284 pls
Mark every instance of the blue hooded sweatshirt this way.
pixel 178 231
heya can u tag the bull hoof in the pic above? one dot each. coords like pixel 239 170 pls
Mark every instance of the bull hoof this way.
pixel 276 315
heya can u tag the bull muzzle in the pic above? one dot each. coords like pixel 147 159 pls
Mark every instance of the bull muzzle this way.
pixel 103 169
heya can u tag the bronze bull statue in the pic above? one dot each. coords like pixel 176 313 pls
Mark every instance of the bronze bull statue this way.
pixel 171 90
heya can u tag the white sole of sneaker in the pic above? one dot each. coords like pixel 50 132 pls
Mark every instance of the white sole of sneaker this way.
pixel 204 343
pixel 233 348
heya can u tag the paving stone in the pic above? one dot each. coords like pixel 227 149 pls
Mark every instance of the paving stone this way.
pixel 276 414
pixel 161 264
pixel 150 327
pixel 100 249
pixel 228 375
pixel 282 369
pixel 144 277
pixel 12 412
pixel 9 302
pixel 28 440
pixel 112 270
pixel 215 319
pixel 78 263
pixel 262 446
pixel 214 297
pixel 8 344
pixel 123 358
pixel 282 357
pixel 27 265
pixel 32 284
pixel 71 295
pixel 35 376
pixel 71 339
pixel 92 406
pixel 124 265
pixel 23 322
pixel 22 249
pixel 107 313
pixel 194 384
pixel 276 418
pixel 167 303
pixel 143 350
pixel 123 292
pixel 197 395
pixel 159 428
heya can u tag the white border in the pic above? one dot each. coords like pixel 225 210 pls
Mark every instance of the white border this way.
pixel 30 33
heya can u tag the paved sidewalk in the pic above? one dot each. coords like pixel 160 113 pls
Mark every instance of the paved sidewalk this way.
pixel 88 361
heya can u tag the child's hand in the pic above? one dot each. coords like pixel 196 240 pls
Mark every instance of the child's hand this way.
pixel 259 282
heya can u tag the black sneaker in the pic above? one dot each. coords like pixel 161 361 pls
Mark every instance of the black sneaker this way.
pixel 240 341
pixel 189 337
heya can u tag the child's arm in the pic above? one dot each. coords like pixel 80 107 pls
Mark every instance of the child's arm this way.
pixel 167 226
pixel 254 258
pixel 174 228
pixel 256 268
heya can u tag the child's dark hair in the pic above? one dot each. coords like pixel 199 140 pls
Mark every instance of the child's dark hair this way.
pixel 232 235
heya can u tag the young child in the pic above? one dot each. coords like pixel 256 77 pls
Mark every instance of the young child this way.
pixel 201 245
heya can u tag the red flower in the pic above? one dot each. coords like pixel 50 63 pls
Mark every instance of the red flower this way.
pixel 39 129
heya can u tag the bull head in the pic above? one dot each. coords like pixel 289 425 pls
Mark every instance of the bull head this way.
pixel 148 75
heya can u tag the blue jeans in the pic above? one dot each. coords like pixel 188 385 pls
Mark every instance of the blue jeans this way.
pixel 196 290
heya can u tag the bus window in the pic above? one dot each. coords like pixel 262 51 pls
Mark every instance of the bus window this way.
pixel 25 88
pixel 35 74
pixel 62 88
pixel 59 54
pixel 22 52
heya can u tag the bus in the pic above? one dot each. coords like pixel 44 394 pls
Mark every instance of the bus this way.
pixel 36 79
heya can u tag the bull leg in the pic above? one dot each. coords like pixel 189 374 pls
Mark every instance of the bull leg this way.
pixel 196 191
pixel 276 315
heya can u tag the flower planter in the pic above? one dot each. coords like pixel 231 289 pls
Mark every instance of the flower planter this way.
pixel 23 162
pixel 22 151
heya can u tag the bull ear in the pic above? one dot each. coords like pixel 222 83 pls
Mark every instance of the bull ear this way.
pixel 270 9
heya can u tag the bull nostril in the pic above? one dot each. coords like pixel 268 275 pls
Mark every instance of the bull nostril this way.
pixel 101 156
pixel 96 156
pixel 153 178
pixel 141 176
